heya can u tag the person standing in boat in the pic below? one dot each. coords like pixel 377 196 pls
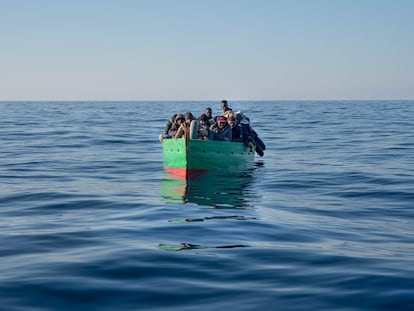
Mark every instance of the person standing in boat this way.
pixel 221 130
pixel 227 111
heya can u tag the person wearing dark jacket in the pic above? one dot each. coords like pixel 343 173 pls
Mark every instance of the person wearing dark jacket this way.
pixel 237 133
pixel 221 130
pixel 203 128
pixel 169 125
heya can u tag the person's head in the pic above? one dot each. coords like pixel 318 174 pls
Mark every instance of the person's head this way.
pixel 179 118
pixel 188 116
pixel 231 121
pixel 221 122
pixel 208 112
pixel 203 119
pixel 224 105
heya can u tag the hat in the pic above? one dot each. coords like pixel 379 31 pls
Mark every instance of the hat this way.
pixel 221 119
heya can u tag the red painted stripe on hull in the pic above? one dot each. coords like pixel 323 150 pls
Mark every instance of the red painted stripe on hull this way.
pixel 183 174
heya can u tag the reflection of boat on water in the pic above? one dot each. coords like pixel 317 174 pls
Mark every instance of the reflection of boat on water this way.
pixel 172 189
pixel 221 189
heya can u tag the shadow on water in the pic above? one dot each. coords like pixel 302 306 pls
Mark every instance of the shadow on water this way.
pixel 188 246
pixel 214 188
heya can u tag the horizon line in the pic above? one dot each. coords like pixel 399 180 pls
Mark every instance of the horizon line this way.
pixel 197 100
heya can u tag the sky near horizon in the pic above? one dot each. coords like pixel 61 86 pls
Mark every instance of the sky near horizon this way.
pixel 206 50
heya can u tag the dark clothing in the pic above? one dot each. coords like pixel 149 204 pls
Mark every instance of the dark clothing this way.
pixel 223 134
pixel 209 121
pixel 203 131
pixel 246 134
pixel 167 128
pixel 237 133
pixel 173 130
pixel 169 125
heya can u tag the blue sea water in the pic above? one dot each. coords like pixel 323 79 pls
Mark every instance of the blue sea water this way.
pixel 89 220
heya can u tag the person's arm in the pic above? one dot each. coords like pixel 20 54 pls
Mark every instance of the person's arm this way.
pixel 180 131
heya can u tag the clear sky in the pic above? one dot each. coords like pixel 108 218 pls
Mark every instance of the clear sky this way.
pixel 206 49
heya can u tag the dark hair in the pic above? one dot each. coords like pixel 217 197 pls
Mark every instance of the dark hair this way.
pixel 188 115
pixel 203 117
pixel 179 117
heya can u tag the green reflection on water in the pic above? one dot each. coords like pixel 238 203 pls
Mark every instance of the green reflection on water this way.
pixel 213 188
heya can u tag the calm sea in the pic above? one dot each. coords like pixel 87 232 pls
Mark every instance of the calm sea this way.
pixel 89 220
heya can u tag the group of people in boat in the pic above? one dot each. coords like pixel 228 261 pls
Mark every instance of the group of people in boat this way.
pixel 229 126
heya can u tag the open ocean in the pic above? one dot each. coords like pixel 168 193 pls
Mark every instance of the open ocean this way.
pixel 89 220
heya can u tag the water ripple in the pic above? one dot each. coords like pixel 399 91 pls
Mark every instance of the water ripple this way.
pixel 90 221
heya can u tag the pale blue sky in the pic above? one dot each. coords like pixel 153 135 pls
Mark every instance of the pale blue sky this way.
pixel 206 50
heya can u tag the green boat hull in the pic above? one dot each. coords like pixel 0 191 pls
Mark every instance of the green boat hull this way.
pixel 196 155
